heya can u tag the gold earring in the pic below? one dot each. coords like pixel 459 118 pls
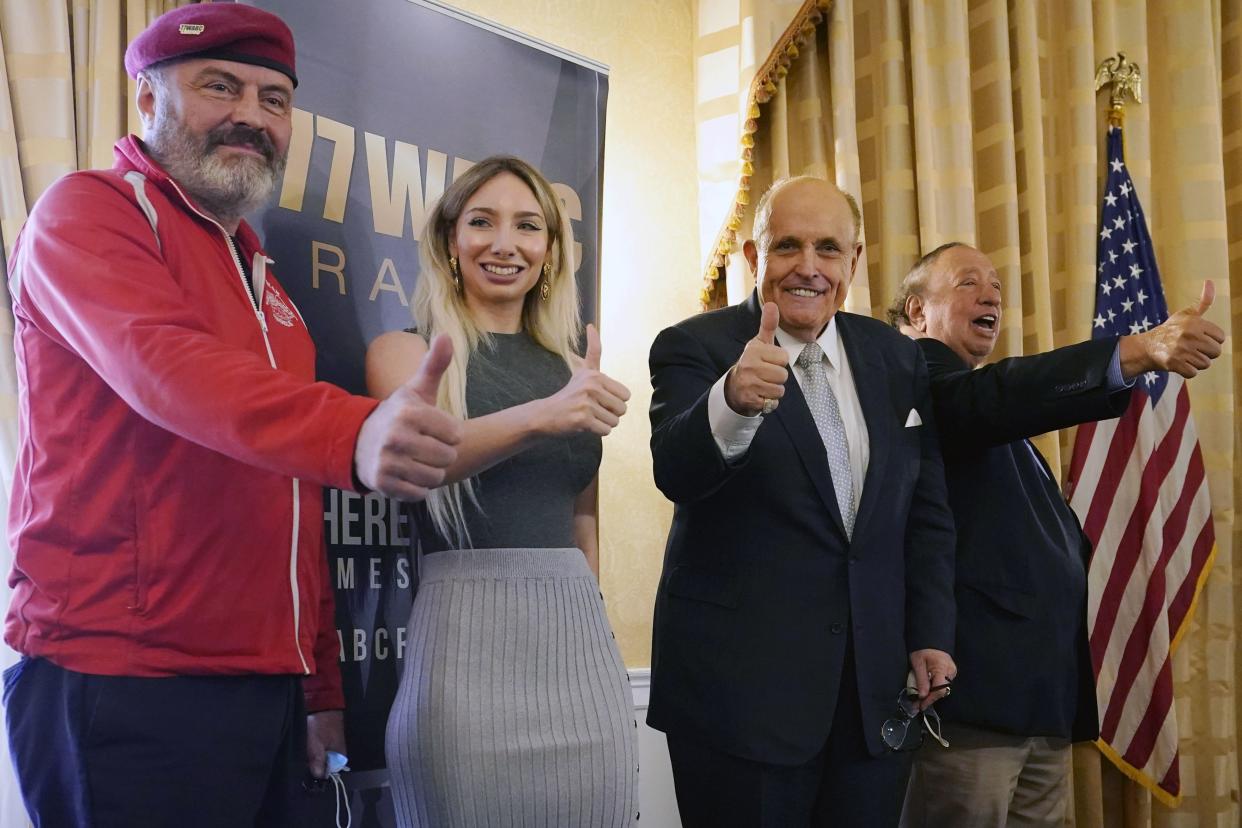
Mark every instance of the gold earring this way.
pixel 545 284
pixel 456 274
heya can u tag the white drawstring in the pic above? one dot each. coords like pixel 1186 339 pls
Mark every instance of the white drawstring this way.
pixel 334 764
pixel 339 792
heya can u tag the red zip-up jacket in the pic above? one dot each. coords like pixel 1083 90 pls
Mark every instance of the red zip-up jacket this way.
pixel 166 514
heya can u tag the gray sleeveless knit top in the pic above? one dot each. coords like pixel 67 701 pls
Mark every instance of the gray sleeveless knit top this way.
pixel 527 501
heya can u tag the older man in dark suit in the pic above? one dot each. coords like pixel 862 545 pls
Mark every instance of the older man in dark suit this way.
pixel 809 563
pixel 1027 687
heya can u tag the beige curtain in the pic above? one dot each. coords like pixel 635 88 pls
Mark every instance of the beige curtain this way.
pixel 977 120
pixel 64 101
pixel 742 49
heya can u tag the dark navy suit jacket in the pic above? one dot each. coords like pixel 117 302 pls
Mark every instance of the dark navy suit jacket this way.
pixel 1024 667
pixel 760 585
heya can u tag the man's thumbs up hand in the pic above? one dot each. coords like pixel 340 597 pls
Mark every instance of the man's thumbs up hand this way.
pixel 1185 342
pixel 756 383
pixel 405 446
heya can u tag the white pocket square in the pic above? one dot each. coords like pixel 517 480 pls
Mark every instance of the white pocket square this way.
pixel 913 419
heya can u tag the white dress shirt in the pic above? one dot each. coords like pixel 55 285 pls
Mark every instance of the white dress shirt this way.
pixel 734 432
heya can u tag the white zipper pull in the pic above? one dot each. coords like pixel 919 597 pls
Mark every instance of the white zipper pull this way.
pixel 258 279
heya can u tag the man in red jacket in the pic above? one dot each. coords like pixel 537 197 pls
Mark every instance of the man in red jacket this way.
pixel 169 589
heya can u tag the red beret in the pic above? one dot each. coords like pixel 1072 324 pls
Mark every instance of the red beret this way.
pixel 225 31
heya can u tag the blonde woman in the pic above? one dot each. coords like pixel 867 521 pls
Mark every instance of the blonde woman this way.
pixel 514 707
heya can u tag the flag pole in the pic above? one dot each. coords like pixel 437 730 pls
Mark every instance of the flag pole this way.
pixel 1150 561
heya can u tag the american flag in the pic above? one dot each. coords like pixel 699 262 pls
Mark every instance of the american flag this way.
pixel 1139 488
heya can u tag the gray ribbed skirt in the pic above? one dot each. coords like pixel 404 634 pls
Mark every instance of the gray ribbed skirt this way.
pixel 514 707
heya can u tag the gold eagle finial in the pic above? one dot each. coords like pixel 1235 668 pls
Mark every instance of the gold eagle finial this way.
pixel 1123 77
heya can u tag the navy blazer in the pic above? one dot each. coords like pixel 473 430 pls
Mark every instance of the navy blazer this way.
pixel 1024 667
pixel 760 584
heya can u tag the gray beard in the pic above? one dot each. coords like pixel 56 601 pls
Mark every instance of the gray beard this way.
pixel 225 188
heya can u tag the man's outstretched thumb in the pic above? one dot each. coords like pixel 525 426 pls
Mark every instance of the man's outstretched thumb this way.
pixel 769 323
pixel 426 382
pixel 1206 297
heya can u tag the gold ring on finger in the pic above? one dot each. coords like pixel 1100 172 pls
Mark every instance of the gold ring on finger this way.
pixel 769 404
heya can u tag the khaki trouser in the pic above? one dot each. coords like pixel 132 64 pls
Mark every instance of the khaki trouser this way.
pixel 987 779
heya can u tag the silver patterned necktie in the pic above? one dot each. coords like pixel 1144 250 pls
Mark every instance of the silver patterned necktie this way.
pixel 827 414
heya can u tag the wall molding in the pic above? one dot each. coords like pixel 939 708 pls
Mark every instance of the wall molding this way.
pixel 640 686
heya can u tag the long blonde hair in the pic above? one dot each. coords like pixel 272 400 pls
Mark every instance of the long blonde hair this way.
pixel 440 308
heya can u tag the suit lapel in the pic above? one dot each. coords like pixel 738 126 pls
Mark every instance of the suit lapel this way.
pixel 870 383
pixel 747 320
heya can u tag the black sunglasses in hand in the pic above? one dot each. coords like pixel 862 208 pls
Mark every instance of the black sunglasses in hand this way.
pixel 897 733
